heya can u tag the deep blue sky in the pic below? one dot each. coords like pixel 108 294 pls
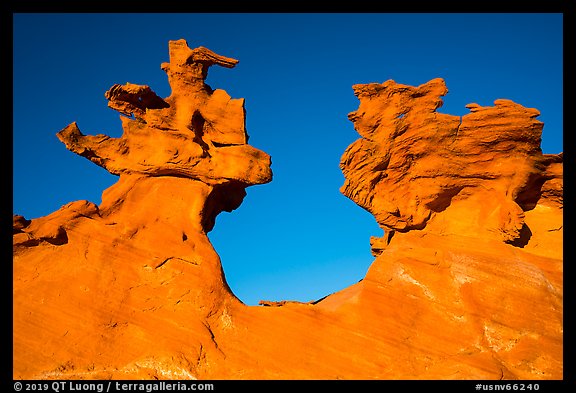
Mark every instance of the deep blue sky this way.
pixel 297 237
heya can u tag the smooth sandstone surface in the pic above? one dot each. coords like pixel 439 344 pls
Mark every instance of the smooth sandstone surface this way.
pixel 466 283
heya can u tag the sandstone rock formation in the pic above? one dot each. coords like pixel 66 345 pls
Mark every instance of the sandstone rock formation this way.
pixel 413 162
pixel 467 282
pixel 132 285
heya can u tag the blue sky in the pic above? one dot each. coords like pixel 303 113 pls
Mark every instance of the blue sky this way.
pixel 297 237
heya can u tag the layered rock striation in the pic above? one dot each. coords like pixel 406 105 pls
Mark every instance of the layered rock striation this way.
pixel 130 284
pixel 412 162
pixel 466 283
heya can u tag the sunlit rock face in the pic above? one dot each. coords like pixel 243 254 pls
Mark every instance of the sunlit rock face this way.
pixel 471 258
pixel 466 284
pixel 412 162
pixel 129 288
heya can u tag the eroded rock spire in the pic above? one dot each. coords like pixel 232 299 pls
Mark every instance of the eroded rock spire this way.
pixel 196 132
pixel 413 162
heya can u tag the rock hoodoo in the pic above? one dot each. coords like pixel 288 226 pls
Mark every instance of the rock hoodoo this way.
pixel 466 283
pixel 412 162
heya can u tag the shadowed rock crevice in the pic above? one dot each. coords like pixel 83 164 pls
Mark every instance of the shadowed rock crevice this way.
pixel 226 197
pixel 133 100
pixel 523 238
pixel 443 199
pixel 545 182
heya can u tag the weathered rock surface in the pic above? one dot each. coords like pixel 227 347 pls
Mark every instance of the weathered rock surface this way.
pixel 467 283
pixel 413 162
